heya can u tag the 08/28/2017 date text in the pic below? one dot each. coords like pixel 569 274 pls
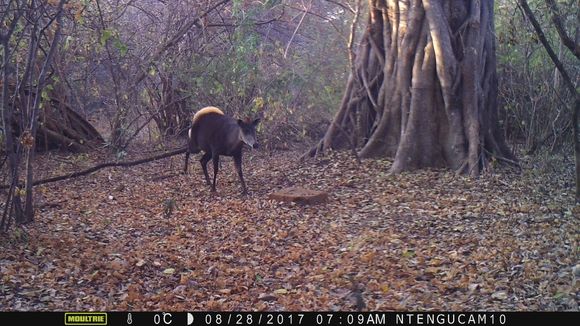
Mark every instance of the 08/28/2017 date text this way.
pixel 288 318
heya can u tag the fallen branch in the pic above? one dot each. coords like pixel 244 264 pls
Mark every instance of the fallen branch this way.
pixel 104 165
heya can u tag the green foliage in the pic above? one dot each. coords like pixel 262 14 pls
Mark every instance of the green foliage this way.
pixel 114 38
pixel 533 100
pixel 120 46
pixel 231 78
pixel 105 36
pixel 294 91
pixel 271 3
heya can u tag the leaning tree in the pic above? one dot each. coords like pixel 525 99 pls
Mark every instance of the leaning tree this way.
pixel 424 87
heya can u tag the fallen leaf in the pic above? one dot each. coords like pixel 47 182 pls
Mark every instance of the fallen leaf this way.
pixel 267 297
pixel 499 295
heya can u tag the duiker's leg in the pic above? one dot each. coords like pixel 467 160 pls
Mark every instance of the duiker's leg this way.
pixel 186 161
pixel 204 159
pixel 216 164
pixel 238 164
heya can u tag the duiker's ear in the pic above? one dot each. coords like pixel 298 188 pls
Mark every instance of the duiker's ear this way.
pixel 240 122
pixel 256 121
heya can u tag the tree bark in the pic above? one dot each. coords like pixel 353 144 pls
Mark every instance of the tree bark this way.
pixel 424 87
pixel 33 127
pixel 13 204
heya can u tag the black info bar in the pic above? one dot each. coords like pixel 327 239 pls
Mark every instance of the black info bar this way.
pixel 286 318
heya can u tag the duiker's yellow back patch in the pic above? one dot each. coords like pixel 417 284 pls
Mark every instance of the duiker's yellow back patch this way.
pixel 206 110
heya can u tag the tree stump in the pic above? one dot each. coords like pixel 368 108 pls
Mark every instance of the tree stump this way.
pixel 300 195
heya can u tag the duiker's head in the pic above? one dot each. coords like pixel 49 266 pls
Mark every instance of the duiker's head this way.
pixel 248 134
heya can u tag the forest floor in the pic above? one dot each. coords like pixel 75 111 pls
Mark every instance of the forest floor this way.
pixel 430 240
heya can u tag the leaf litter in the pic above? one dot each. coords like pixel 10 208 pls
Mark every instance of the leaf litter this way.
pixel 427 240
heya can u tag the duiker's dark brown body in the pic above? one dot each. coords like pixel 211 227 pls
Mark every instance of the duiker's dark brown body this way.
pixel 217 134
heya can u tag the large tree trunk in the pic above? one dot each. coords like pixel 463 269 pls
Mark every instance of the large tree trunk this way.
pixel 424 89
